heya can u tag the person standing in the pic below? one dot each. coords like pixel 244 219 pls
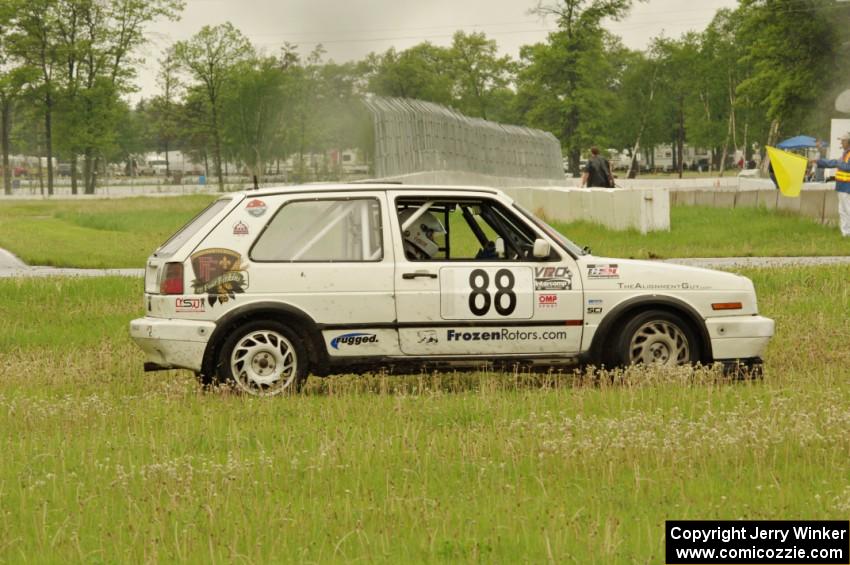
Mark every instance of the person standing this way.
pixel 597 172
pixel 842 182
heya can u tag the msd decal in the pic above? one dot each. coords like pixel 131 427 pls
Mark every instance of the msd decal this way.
pixel 256 208
pixel 189 304
pixel 547 300
pixel 353 339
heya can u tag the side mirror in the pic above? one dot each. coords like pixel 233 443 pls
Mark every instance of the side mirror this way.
pixel 500 248
pixel 542 249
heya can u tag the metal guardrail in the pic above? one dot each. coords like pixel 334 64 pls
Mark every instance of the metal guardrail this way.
pixel 414 136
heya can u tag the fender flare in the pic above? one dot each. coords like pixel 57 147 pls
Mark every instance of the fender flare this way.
pixel 268 309
pixel 656 301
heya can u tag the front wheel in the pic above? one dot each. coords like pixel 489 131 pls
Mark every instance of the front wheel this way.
pixel 656 337
pixel 264 358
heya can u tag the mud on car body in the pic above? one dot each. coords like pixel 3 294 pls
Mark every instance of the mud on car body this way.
pixel 264 287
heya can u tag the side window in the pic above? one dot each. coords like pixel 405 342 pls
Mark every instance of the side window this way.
pixel 462 230
pixel 322 230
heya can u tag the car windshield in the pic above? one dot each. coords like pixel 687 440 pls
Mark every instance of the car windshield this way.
pixel 183 234
pixel 552 232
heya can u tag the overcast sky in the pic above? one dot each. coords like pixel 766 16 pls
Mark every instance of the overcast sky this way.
pixel 350 29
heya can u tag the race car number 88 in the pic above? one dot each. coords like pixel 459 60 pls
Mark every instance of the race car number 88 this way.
pixel 479 282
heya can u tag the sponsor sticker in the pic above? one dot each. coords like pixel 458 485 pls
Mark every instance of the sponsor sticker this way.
pixel 256 207
pixel 427 336
pixel 594 309
pixel 505 334
pixel 219 273
pixel 553 278
pixel 547 300
pixel 240 228
pixel 189 304
pixel 603 272
pixel 353 339
pixel 594 301
pixel 662 286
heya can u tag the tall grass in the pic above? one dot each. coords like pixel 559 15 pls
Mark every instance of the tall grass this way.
pixel 104 463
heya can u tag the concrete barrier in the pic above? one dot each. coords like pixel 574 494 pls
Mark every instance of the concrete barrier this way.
pixel 704 198
pixel 811 204
pixel 747 198
pixel 767 198
pixel 788 204
pixel 830 207
pixel 724 199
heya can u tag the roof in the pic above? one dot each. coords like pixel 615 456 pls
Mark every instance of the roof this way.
pixel 359 187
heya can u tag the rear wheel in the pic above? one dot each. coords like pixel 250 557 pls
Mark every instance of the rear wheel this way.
pixel 264 358
pixel 656 337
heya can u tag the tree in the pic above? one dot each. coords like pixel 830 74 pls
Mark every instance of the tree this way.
pixel 565 85
pixel 253 109
pixel 209 57
pixel 418 72
pixel 790 47
pixel 11 84
pixel 479 76
pixel 164 109
pixel 33 41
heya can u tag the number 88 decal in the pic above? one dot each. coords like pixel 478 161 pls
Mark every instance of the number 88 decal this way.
pixel 479 280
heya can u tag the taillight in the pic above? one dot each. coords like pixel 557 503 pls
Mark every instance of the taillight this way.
pixel 172 279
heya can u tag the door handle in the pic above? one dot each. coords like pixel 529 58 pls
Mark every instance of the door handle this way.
pixel 417 274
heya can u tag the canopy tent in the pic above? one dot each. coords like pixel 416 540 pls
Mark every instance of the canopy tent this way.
pixel 799 142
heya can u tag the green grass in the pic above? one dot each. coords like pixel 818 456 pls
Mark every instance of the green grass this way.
pixel 93 233
pixel 124 232
pixel 715 232
pixel 103 463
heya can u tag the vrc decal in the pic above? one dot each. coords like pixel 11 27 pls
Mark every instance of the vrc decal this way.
pixel 553 278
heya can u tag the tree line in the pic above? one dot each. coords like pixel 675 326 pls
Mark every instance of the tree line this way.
pixel 759 71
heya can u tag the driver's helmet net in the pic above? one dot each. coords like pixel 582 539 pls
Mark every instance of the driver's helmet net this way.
pixel 420 234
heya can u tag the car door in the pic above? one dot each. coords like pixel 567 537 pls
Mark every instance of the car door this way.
pixel 468 301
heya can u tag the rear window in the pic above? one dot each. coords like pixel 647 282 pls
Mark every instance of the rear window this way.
pixel 183 234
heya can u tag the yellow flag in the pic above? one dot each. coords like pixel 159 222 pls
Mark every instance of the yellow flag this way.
pixel 789 170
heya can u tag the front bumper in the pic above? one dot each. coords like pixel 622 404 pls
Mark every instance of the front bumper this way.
pixel 172 344
pixel 739 337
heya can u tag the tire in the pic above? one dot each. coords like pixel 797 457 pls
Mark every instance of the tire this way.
pixel 264 358
pixel 656 337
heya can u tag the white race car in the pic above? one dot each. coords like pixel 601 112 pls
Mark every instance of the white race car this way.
pixel 264 287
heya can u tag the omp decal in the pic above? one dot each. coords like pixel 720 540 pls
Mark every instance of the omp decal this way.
pixel 603 271
pixel 256 208
pixel 547 300
pixel 353 339
pixel 219 273
pixel 189 304
pixel 553 278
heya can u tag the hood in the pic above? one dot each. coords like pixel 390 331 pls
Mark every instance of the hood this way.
pixel 632 274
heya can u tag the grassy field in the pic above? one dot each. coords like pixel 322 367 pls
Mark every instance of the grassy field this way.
pixel 103 463
pixel 93 233
pixel 124 232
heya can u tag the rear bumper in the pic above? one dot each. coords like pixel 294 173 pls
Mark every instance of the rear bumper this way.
pixel 739 337
pixel 171 344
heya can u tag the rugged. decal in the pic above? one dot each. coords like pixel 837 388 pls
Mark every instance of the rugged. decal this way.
pixel 603 272
pixel 219 273
pixel 353 339
pixel 553 278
